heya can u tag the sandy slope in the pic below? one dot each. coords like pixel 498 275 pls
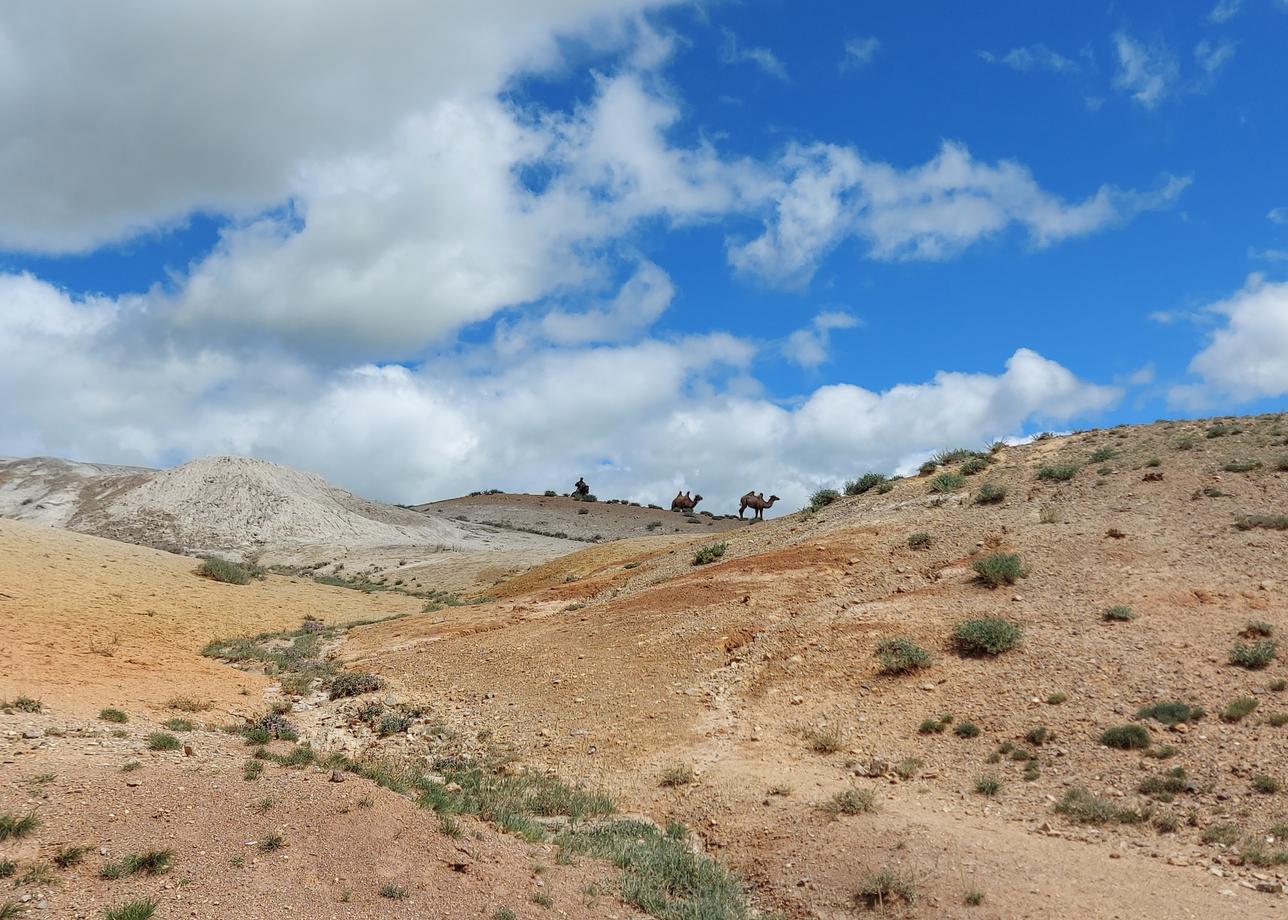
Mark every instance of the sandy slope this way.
pixel 89 622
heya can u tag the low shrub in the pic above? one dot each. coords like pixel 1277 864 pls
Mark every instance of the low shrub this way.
pixel 1258 629
pixel 1170 713
pixel 1239 709
pixel 1102 454
pixel 1082 807
pixel 990 494
pixel 966 730
pixel 988 785
pixel 822 498
pixel 354 683
pixel 232 573
pixel 851 802
pixel 864 483
pixel 920 540
pixel 680 774
pixel 887 887
pixel 141 909
pixel 947 482
pixel 1058 472
pixel 1266 785
pixel 16 826
pixel 1118 614
pixel 1055 699
pixel 899 655
pixel 709 554
pixel 1254 656
pixel 973 465
pixel 1126 737
pixel 163 741
pixel 1242 466
pixel 986 636
pixel 1263 521
pixel 114 715
pixel 999 569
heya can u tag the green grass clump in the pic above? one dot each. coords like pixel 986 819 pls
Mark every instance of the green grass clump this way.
pixel 986 636
pixel 680 774
pixel 16 826
pixel 990 494
pixel 899 655
pixel 824 740
pixel 271 843
pixel 974 898
pixel 354 683
pixel 966 730
pixel 1058 472
pixel 119 716
pixel 70 855
pixel 851 802
pixel 822 498
pixel 1258 629
pixel 392 891
pixel 179 725
pixel 232 573
pixel 920 540
pixel 1163 786
pixel 1222 832
pixel 163 741
pixel 1118 614
pixel 864 483
pixel 1242 466
pixel 988 785
pixel 1082 807
pixel 709 554
pixel 1170 713
pixel 932 726
pixel 142 909
pixel 1222 430
pixel 1126 737
pixel 1055 699
pixel 1254 656
pixel 187 704
pixel 998 569
pixel 1278 719
pixel 150 862
pixel 1266 785
pixel 1263 521
pixel 886 888
pixel 947 482
pixel 974 465
pixel 1239 709
pixel 1102 454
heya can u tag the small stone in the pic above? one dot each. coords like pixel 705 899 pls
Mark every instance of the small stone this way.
pixel 337 776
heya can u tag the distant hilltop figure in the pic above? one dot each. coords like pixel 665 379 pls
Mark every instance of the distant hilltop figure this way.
pixel 581 488
pixel 682 502
pixel 757 503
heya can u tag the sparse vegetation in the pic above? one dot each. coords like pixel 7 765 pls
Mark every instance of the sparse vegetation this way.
pixel 1163 786
pixel 1266 785
pixel 822 498
pixel 163 741
pixel 889 886
pixel 986 636
pixel 1100 455
pixel 1170 713
pixel 947 482
pixel 232 573
pixel 1263 521
pixel 179 725
pixel 1241 466
pixel 150 862
pixel 66 857
pixel 990 494
pixel 271 843
pixel 974 898
pixel 966 730
pixel 1258 629
pixel 988 785
pixel 1058 472
pixel 900 655
pixel 21 704
pixel 1082 807
pixel 920 540
pixel 932 726
pixel 864 483
pixel 1055 699
pixel 392 891
pixel 680 774
pixel 997 569
pixel 142 909
pixel 1239 709
pixel 1118 614
pixel 1254 656
pixel 16 826
pixel 114 715
pixel 851 802
pixel 187 704
pixel 354 683
pixel 709 554
pixel 1223 832
pixel 1126 737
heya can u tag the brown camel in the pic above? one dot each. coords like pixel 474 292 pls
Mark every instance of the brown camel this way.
pixel 682 502
pixel 757 503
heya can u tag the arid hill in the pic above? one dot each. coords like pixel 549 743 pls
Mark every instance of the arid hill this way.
pixel 1041 681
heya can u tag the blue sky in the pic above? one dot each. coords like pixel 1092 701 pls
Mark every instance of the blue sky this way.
pixel 717 246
